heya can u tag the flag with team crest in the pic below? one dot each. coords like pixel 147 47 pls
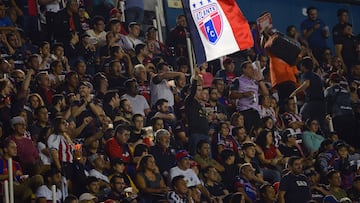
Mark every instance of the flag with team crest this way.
pixel 217 28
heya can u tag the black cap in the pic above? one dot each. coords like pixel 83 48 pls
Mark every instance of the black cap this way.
pixel 152 29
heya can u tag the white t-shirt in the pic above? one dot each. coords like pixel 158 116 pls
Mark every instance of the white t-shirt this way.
pixel 138 103
pixel 190 177
pixel 98 175
pixel 44 192
pixel 46 160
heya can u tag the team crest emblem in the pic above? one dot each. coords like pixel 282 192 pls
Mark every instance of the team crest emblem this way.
pixel 208 20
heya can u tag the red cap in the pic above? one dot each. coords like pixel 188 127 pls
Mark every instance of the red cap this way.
pixel 114 11
pixel 180 155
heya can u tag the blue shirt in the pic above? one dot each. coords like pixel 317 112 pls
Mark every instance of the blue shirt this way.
pixel 5 22
pixel 135 3
pixel 317 38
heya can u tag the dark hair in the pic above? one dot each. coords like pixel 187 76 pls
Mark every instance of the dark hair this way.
pixel 262 189
pixel 50 173
pixel 111 65
pixel 160 66
pixel 154 119
pixel 226 154
pixel 109 95
pixel 96 19
pixel 97 79
pixel 91 179
pixel 140 149
pixel 54 64
pixel 121 128
pixel 135 116
pixel 236 130
pixel 56 123
pixel 77 63
pixel 310 8
pixel 113 179
pixel 37 110
pixel 341 11
pixel 114 49
pixel 200 144
pixel 331 173
pixel 160 102
pixel 176 179
pixel 70 198
pixel 207 169
pixel 307 63
pixel 292 159
pixel 57 98
pixel 181 60
pixel 70 74
pixel 128 82
pixel 142 163
pixel 139 47
pixel 261 139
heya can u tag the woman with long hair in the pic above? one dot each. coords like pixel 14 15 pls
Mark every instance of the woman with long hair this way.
pixel 61 145
pixel 269 156
pixel 149 181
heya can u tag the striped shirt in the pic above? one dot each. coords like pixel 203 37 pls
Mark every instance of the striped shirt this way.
pixel 64 147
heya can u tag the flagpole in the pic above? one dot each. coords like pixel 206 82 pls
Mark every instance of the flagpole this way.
pixel 6 188
pixel 190 53
pixel 53 190
pixel 11 180
pixel 157 12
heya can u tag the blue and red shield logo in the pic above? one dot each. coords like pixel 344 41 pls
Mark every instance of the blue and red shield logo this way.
pixel 209 21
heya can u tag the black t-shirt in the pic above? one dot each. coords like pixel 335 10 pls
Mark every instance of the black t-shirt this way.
pixel 297 188
pixel 315 91
pixel 289 151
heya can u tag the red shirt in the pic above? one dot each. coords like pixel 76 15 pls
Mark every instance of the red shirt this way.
pixel 115 150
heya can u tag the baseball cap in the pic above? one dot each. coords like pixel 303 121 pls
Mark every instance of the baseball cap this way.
pixel 289 132
pixel 133 23
pixel 227 60
pixel 17 120
pixel 114 11
pixel 182 154
pixel 86 196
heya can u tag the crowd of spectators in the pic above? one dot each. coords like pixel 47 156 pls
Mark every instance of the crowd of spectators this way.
pixel 107 113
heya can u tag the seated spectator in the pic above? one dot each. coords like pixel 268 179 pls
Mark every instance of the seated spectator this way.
pixel 87 198
pixel 181 191
pixel 249 152
pixel 335 189
pixel 44 193
pixel 354 192
pixel 56 76
pixel 265 108
pixel 149 181
pixel 162 152
pixel 344 165
pixel 97 33
pixel 118 168
pixel 139 103
pixel 26 150
pixel 230 169
pixel 212 184
pixel 294 186
pixel 81 69
pixel 243 182
pixel 117 147
pixel 132 39
pixel 162 109
pixel 289 147
pixel 118 186
pixel 24 186
pixel 203 156
pixel 267 194
pixel 291 118
pixel 318 190
pixel 183 168
pixel 310 139
pixel 137 133
pixel 98 164
pixel 269 156
pixel 224 140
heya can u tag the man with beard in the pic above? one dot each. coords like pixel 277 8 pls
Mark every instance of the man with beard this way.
pixel 294 186
pixel 44 192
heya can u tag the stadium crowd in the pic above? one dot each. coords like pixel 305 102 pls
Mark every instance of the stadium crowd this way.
pixel 107 113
